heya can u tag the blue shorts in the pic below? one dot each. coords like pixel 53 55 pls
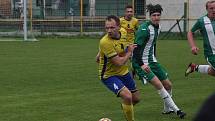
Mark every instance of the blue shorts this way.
pixel 117 83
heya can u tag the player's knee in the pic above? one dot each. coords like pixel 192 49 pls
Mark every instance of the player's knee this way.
pixel 211 71
pixel 136 97
pixel 135 100
pixel 127 97
pixel 156 83
pixel 167 84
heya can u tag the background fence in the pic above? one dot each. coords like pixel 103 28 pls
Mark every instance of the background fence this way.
pixel 72 17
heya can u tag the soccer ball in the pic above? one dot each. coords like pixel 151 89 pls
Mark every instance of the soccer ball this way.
pixel 104 119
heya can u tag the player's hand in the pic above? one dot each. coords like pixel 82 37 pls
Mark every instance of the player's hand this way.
pixel 146 68
pixel 194 50
pixel 131 47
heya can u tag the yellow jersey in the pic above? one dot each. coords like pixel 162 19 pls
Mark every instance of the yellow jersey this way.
pixel 109 48
pixel 130 26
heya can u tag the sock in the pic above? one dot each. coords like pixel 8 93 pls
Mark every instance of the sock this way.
pixel 128 111
pixel 203 69
pixel 167 99
pixel 166 107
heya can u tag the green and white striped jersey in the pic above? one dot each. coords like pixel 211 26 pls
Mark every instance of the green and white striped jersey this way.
pixel 146 37
pixel 206 27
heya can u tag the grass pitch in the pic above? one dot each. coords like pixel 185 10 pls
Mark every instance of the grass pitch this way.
pixel 56 80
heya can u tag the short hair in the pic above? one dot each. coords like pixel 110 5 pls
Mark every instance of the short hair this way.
pixel 209 2
pixel 115 18
pixel 154 8
pixel 128 6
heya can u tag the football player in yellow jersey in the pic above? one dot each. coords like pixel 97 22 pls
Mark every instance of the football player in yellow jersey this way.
pixel 113 71
pixel 130 24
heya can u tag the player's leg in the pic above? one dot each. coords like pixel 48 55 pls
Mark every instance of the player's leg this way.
pixel 131 86
pixel 211 69
pixel 135 97
pixel 116 85
pixel 164 88
pixel 205 69
pixel 129 82
pixel 164 94
pixel 153 79
pixel 192 67
pixel 168 86
pixel 166 97
pixel 162 75
pixel 127 105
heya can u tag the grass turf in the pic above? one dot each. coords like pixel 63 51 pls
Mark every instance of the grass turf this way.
pixel 56 80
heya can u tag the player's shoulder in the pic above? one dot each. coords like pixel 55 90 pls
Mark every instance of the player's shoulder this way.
pixel 144 25
pixel 201 19
pixel 104 39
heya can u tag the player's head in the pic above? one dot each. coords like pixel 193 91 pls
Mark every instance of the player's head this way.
pixel 112 26
pixel 129 12
pixel 155 13
pixel 210 7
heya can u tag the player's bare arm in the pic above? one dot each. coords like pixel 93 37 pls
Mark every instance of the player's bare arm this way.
pixel 194 48
pixel 121 60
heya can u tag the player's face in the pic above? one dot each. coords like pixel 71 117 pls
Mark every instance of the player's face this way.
pixel 112 28
pixel 155 18
pixel 129 13
pixel 211 10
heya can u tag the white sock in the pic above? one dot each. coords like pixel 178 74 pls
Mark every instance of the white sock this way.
pixel 167 99
pixel 203 69
pixel 166 108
